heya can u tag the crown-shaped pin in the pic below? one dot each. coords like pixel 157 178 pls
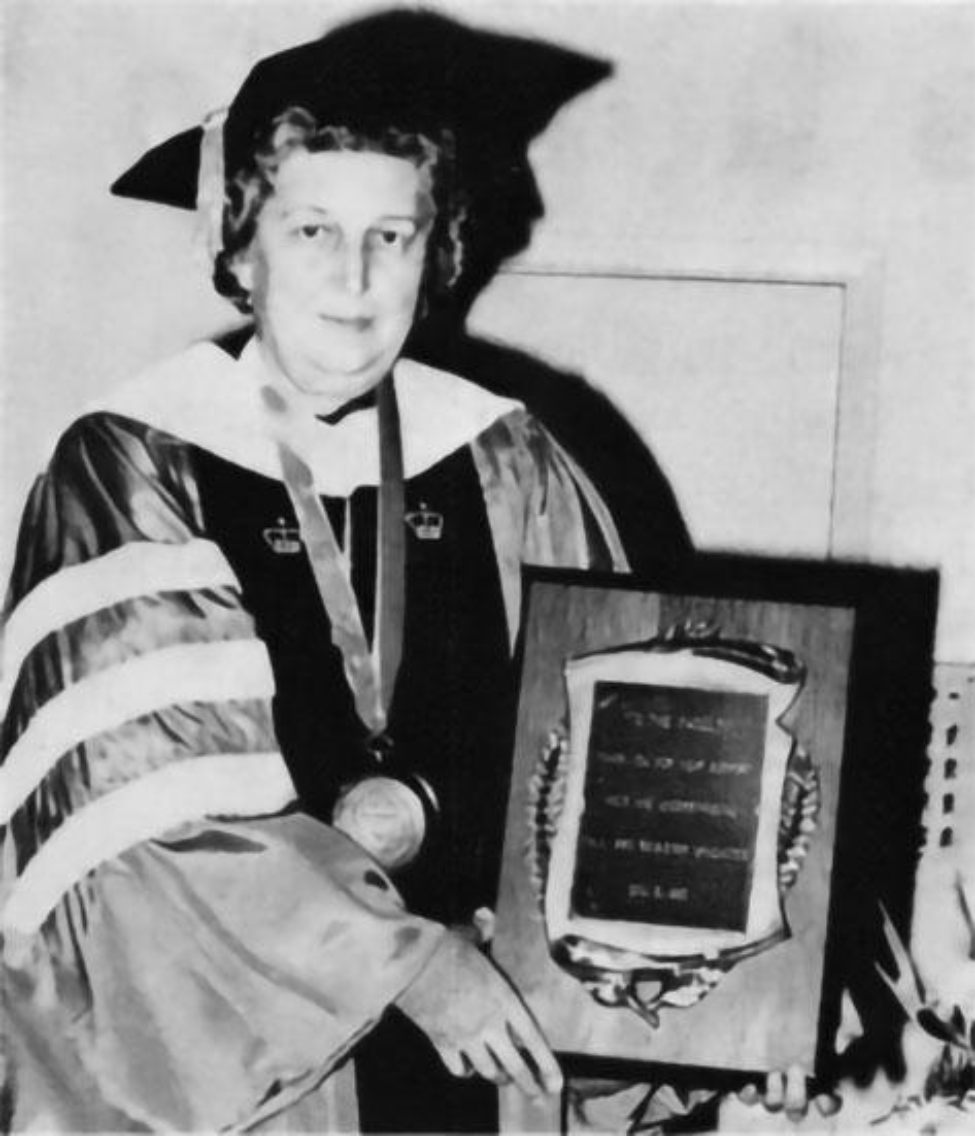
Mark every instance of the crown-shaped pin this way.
pixel 427 524
pixel 283 539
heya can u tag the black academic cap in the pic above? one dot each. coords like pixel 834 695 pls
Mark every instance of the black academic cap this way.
pixel 415 70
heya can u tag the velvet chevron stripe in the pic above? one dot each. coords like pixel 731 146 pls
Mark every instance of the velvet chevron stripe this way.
pixel 138 569
pixel 194 672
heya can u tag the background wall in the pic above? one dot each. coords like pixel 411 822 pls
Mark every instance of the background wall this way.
pixel 846 129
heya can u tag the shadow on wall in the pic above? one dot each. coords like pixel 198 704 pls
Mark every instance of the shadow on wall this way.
pixel 503 210
pixel 586 423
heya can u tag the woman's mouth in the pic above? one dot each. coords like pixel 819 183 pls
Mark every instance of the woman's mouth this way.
pixel 349 323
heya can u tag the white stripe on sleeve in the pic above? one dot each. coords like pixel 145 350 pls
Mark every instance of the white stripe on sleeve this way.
pixel 137 569
pixel 232 785
pixel 192 672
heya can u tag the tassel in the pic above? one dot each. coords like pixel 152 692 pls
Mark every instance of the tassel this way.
pixel 210 186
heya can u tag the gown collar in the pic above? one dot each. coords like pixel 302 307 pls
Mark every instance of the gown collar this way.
pixel 207 398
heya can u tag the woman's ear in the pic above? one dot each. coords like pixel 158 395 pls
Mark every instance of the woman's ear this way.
pixel 242 268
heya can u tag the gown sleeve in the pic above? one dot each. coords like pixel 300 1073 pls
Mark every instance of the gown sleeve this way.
pixel 182 949
pixel 541 506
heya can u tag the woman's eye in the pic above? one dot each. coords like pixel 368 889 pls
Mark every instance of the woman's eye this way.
pixel 390 238
pixel 313 232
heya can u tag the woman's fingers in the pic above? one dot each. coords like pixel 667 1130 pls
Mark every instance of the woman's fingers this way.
pixel 454 1061
pixel 505 1057
pixel 526 1035
pixel 511 1062
pixel 828 1104
pixel 500 1058
pixel 774 1091
pixel 796 1096
pixel 481 1057
pixel 749 1094
pixel 790 1091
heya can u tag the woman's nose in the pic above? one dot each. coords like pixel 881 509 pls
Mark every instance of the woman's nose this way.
pixel 355 269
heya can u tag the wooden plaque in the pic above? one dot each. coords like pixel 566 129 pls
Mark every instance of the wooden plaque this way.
pixel 703 820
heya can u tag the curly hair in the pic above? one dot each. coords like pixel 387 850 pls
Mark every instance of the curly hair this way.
pixel 249 187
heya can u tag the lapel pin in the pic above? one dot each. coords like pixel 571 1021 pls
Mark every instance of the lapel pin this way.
pixel 282 539
pixel 425 523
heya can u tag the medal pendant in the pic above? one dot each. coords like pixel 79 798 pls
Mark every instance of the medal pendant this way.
pixel 385 817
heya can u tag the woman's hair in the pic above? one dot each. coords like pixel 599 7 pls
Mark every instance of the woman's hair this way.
pixel 296 129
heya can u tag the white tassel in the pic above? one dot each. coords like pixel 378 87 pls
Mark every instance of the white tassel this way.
pixel 210 186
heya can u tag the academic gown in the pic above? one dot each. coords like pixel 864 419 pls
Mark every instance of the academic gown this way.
pixel 187 944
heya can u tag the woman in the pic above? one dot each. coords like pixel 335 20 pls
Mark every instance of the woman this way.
pixel 255 595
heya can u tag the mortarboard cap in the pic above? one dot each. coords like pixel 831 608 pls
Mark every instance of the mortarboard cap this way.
pixel 415 70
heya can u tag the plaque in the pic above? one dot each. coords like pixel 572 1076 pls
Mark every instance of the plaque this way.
pixel 662 861
pixel 673 794
pixel 703 828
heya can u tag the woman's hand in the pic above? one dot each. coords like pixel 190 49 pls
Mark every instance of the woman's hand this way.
pixel 477 1021
pixel 785 1092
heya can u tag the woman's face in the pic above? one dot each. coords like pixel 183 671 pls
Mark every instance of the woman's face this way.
pixel 334 269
